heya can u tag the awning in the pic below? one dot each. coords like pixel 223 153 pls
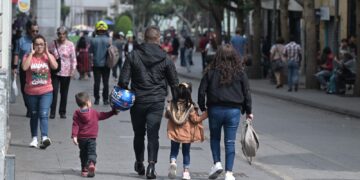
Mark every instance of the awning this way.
pixel 293 5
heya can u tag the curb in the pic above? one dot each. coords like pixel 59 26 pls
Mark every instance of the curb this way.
pixel 295 100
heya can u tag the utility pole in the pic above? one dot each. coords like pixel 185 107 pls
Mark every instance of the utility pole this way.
pixel 336 35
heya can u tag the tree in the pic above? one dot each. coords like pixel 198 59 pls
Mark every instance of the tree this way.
pixel 65 11
pixel 310 43
pixel 255 69
pixel 284 19
pixel 357 80
pixel 216 7
pixel 123 24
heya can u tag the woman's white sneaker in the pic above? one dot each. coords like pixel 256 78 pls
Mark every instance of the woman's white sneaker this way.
pixel 215 171
pixel 186 175
pixel 229 176
pixel 46 142
pixel 34 142
pixel 172 170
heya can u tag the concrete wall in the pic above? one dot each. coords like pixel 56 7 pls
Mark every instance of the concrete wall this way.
pixel 5 41
pixel 48 17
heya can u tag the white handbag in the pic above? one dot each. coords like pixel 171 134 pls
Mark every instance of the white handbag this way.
pixel 249 140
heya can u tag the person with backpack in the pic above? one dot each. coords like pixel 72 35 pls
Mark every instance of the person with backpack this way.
pixel 98 54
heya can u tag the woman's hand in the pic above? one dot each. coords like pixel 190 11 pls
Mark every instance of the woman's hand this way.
pixel 250 116
pixel 32 49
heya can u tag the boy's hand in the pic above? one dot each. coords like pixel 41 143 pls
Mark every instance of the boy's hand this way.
pixel 75 141
pixel 115 111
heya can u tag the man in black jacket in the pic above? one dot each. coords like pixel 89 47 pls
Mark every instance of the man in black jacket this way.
pixel 150 72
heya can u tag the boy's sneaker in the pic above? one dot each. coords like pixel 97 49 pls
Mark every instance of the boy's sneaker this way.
pixel 46 142
pixel 186 175
pixel 34 142
pixel 84 172
pixel 172 170
pixel 215 171
pixel 229 176
pixel 91 170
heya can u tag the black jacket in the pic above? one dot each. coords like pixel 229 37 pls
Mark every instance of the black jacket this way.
pixel 150 73
pixel 235 94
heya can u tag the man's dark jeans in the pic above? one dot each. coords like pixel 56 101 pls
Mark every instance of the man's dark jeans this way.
pixel 146 119
pixel 64 83
pixel 87 148
pixel 104 74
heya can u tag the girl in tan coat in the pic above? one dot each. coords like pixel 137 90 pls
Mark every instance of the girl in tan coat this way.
pixel 184 126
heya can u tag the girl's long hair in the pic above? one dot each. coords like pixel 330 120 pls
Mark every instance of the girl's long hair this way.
pixel 227 62
pixel 183 93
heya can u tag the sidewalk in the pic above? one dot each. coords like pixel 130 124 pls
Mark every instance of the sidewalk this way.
pixel 115 153
pixel 314 98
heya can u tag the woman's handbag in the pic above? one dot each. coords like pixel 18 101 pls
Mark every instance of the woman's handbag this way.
pixel 249 140
pixel 58 60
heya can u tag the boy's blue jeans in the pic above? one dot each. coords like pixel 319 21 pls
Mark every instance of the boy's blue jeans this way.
pixel 39 108
pixel 185 151
pixel 229 118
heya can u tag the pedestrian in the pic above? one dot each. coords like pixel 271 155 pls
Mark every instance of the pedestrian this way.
pixel 326 68
pixel 184 127
pixel 85 129
pixel 119 43
pixel 82 57
pixel 202 44
pixel 64 49
pixel 239 42
pixel 292 52
pixel 131 44
pixel 98 47
pixel 150 72
pixel 211 48
pixel 23 46
pixel 175 48
pixel 226 88
pixel 38 88
pixel 277 61
pixel 189 46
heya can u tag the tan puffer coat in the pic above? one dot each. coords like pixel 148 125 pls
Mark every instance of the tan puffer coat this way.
pixel 184 125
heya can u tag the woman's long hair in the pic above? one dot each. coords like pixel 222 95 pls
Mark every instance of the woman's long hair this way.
pixel 227 62
pixel 82 43
pixel 183 93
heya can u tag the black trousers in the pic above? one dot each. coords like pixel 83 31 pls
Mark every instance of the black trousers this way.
pixel 146 119
pixel 203 58
pixel 87 148
pixel 22 76
pixel 104 74
pixel 62 83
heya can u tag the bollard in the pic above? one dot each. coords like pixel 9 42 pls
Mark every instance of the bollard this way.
pixel 9 167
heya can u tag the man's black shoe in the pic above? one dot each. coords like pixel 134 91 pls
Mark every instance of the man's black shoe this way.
pixel 62 116
pixel 289 89
pixel 150 171
pixel 106 102
pixel 296 87
pixel 96 102
pixel 52 116
pixel 139 168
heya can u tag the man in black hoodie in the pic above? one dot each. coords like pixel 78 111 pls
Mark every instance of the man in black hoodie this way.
pixel 150 72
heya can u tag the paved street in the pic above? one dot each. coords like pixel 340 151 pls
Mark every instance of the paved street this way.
pixel 296 142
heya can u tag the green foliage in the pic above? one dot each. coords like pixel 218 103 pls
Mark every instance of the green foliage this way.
pixel 123 23
pixel 65 11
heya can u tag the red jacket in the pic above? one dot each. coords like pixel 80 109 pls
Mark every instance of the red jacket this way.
pixel 85 122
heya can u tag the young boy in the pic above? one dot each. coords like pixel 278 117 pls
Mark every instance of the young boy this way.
pixel 85 130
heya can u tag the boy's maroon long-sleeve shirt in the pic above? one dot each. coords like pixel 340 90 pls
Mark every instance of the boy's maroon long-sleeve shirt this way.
pixel 85 122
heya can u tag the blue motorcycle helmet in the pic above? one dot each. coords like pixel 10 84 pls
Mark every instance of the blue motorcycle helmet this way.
pixel 121 99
